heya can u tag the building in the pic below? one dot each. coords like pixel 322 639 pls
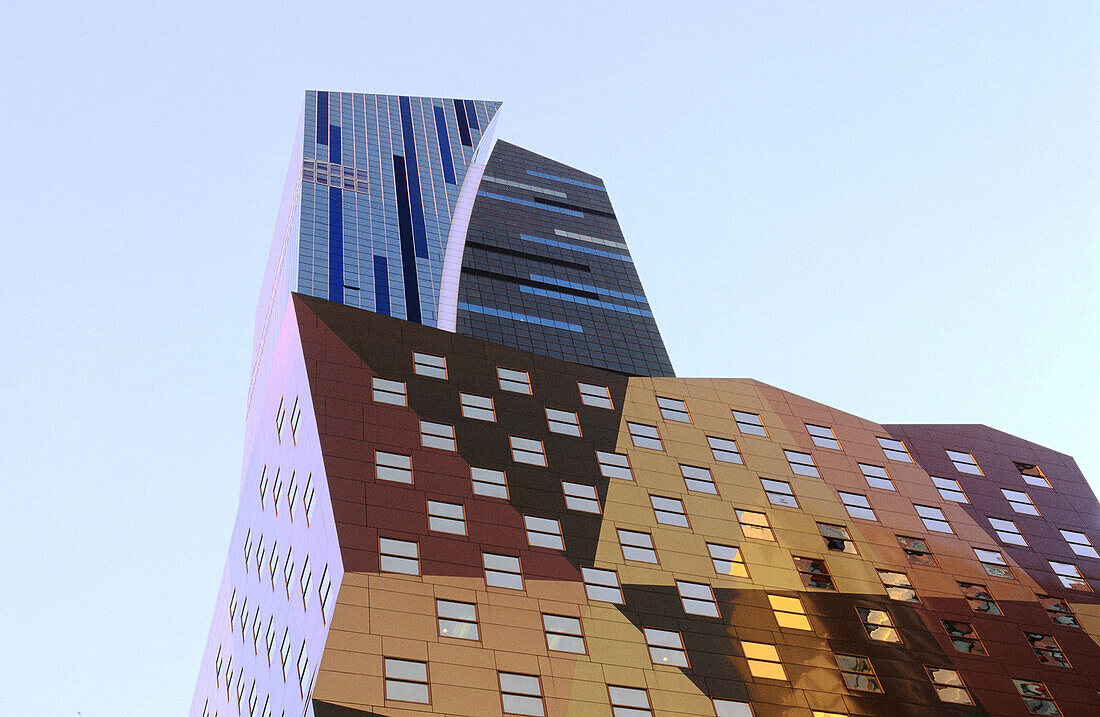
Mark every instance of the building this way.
pixel 473 486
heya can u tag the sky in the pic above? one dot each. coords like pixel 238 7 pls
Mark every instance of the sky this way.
pixel 891 208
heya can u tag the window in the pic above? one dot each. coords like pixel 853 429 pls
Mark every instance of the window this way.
pixel 602 585
pixel 732 708
pixel 1080 544
pixel 858 673
pixel 698 479
pixel 1007 531
pixel 637 546
pixel 308 495
pixel 877 477
pixel 291 493
pixel 779 493
pixel 950 489
pixel 288 570
pixel 280 418
pixel 755 525
pixel 857 506
pixel 837 538
pixel 387 391
pixel 277 490
pixel 564 422
pixel 1036 697
pixel 594 395
pixel 823 436
pixel 1032 475
pixel 479 408
pixel 1047 649
pixel 1020 502
pixel 948 685
pixel 629 701
pixel 502 571
pixel 1069 575
pixel 248 548
pixel 933 518
pixel 725 450
pixel 520 694
pixel 802 463
pixel 324 592
pixel 749 423
pixel 399 556
pixel 789 612
pixel 878 624
pixel 457 619
pixel 393 466
pixel 305 582
pixel 898 586
pixel 563 634
pixel 666 647
pixel 1058 611
pixel 697 599
pixel 964 637
pixel 579 496
pixel 446 517
pixel 437 435
pixel 527 450
pixel 273 565
pixel 514 381
pixel 543 532
pixel 965 463
pixel 644 436
pixel 263 487
pixel 814 573
pixel 261 551
pixel 727 560
pixel 295 419
pixel 303 668
pixel 980 599
pixel 614 465
pixel 489 482
pixel 406 680
pixel 894 449
pixel 673 409
pixel 669 511
pixel 429 365
pixel 916 551
pixel 764 660
pixel 994 563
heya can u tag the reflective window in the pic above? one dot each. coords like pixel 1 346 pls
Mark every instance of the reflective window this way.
pixel 732 708
pixel 437 435
pixel 502 571
pixel 878 624
pixel 563 634
pixel 1047 649
pixel 876 476
pixel 479 408
pixel 1037 698
pixel 755 525
pixel 637 546
pixel 393 467
pixel 399 556
pixel 837 538
pixel 950 489
pixel 1032 475
pixel 1008 531
pixel 898 586
pixel 933 518
pixel 916 551
pixel 429 365
pixel 602 585
pixel 979 598
pixel 823 436
pixel 1058 610
pixel 1020 502
pixel 727 560
pixel 858 673
pixel 764 660
pixel 406 680
pixel 596 396
pixel 894 449
pixel 521 694
pixel 802 463
pixel 543 532
pixel 725 450
pixel 994 563
pixel 446 517
pixel 965 463
pixel 669 511
pixel 749 423
pixel 698 479
pixel 581 497
pixel 1069 575
pixel 673 409
pixel 949 685
pixel 779 493
pixel 1080 543
pixel 489 482
pixel 457 619
pixel 527 450
pixel 666 647
pixel 789 612
pixel 614 465
pixel 697 599
pixel 629 701
pixel 964 637
pixel 857 506
pixel 814 573
pixel 514 381
pixel 386 391
pixel 644 436
pixel 564 422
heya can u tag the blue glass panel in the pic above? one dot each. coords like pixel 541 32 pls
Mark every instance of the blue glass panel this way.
pixel 334 145
pixel 322 118
pixel 444 145
pixel 335 245
pixel 408 253
pixel 463 128
pixel 471 114
pixel 416 207
pixel 515 316
pixel 381 285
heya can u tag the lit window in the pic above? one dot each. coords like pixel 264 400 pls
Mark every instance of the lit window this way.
pixel 964 637
pixel 564 422
pixel 489 482
pixel 725 450
pixel 1069 575
pixel 1080 543
pixel 749 423
pixel 779 492
pixel 305 581
pixel 673 409
pixel 898 586
pixel 579 496
pixel 727 560
pixel 755 525
pixel 697 599
pixel 994 563
pixel 669 511
pixel 732 708
pixel 802 463
pixel 393 466
pixel 933 518
pixel 644 436
pixel 1036 697
pixel 666 647
pixel 563 634
pixel 1020 502
pixel 637 546
pixel 837 538
pixel 877 477
pixel 324 591
pixel 502 571
pixel 814 573
pixel 916 551
pixel 429 365
pixel 878 624
pixel 698 479
pixel 614 465
pixel 514 381
pixel 1032 474
pixel 789 612
pixel 1047 649
pixel 446 517
pixel 979 598
pixel 406 680
pixel 857 505
pixel 543 532
pixel 263 487
pixel 437 435
pixel 593 395
pixel 602 585
pixel 307 497
pixel 1008 531
pixel 858 673
pixel 823 436
pixel 629 701
pixel 1058 611
pixel 399 556
pixel 894 449
pixel 457 619
pixel 303 668
pixel 527 450
pixel 950 489
pixel 520 694
pixel 479 408
pixel 948 685
pixel 295 419
pixel 819 713
pixel 965 463
pixel 387 391
pixel 764 660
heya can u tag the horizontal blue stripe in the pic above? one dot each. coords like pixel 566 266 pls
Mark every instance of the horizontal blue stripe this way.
pixel 526 203
pixel 585 300
pixel 577 182
pixel 588 287
pixel 444 145
pixel 574 247
pixel 503 314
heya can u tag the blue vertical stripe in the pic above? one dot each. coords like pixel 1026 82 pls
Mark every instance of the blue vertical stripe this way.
pixel 322 118
pixel 463 128
pixel 335 245
pixel 408 254
pixel 444 145
pixel 334 145
pixel 471 114
pixel 416 206
pixel 381 285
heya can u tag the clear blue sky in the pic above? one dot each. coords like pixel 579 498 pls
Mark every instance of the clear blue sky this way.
pixel 892 208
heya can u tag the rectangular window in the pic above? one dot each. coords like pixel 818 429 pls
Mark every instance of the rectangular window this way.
pixel 520 694
pixel 324 592
pixel 644 436
pixel 666 647
pixel 446 517
pixel 1080 543
pixel 594 395
pixel 789 612
pixel 489 482
pixel 1036 697
pixel 894 449
pixel 802 463
pixel 980 599
pixel 602 585
pixel 288 570
pixel 614 465
pixel 457 619
pixel 755 525
pixel 994 563
pixel 814 573
pixel 479 408
pixel 1008 531
pixel 878 624
pixel 725 450
pixel 876 476
pixel 291 493
pixel 502 571
pixel 732 708
pixel 837 538
pixel 764 661
pixel 543 532
pixel 673 409
pixel 750 423
pixel 964 637
pixel 248 548
pixel 727 560
pixel 965 463
pixel 527 450
pixel 303 669
pixel 948 685
pixel 950 489
pixel 1069 575
pixel 779 493
pixel 308 495
pixel 933 518
pixel 399 556
pixel 393 467
pixel 564 422
pixel 1032 474
pixel 406 680
pixel 263 487
pixel 629 702
pixel 697 599
pixel 280 418
pixel 1047 649
pixel 898 586
pixel 1058 610
pixel 857 506
pixel 387 391
pixel 514 381
pixel 295 419
pixel 916 551
pixel 563 634
pixel 637 546
pixel 1020 502
pixel 437 435
pixel 669 511
pixel 858 673
pixel 698 479
pixel 823 436
pixel 305 582
pixel 579 496
pixel 429 365
pixel 277 489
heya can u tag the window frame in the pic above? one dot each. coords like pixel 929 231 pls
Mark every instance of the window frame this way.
pixel 427 368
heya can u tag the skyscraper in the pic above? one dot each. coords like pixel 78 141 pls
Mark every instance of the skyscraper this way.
pixel 472 485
